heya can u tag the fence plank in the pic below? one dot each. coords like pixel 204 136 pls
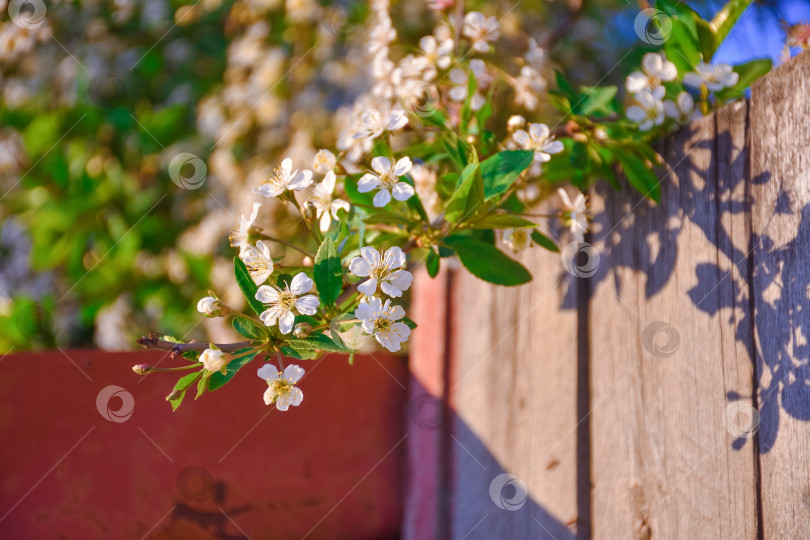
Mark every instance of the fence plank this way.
pixel 780 165
pixel 514 394
pixel 668 343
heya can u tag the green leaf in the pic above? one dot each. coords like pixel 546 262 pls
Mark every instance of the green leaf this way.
pixel 644 180
pixel 409 323
pixel 247 286
pixel 218 379
pixel 299 355
pixel 487 262
pixel 432 263
pixel 748 72
pixel 468 197
pixel 328 273
pixel 502 221
pixel 544 241
pixel 707 41
pixel 565 87
pixel 316 342
pixel 202 386
pixel 247 328
pixel 182 385
pixel 682 47
pixel 727 17
pixel 595 99
pixel 501 170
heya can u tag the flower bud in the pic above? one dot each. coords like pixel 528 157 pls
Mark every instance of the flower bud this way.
pixel 214 359
pixel 302 330
pixel 309 211
pixel 307 261
pixel 600 134
pixel 515 122
pixel 142 369
pixel 210 307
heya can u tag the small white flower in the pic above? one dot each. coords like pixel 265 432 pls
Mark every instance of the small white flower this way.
pixel 437 55
pixel 656 69
pixel 517 239
pixel 324 162
pixel 379 320
pixel 683 109
pixel 215 360
pixel 528 85
pixel 480 30
pixel 326 206
pixel 648 113
pixel 461 79
pixel 258 262
pixel 374 122
pixel 281 386
pixel 386 179
pixel 209 306
pixel 540 140
pixel 383 271
pixel 284 178
pixel 714 77
pixel 239 234
pixel 282 302
pixel 574 215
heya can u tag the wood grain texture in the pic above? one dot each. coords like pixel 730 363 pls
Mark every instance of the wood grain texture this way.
pixel 668 345
pixel 514 397
pixel 780 124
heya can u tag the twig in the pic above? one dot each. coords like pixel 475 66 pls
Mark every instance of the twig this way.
pixel 153 341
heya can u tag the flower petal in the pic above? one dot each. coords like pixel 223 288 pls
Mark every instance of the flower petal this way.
pixel 267 371
pixel 394 257
pixel 403 166
pixel 402 191
pixel 266 294
pixel 296 397
pixel 367 182
pixel 395 313
pixel 307 305
pixel 285 323
pixel 293 373
pixel 359 267
pixel 371 255
pixel 300 284
pixel 390 290
pixel 368 287
pixel 382 198
pixel 381 164
pixel 301 180
pixel 401 279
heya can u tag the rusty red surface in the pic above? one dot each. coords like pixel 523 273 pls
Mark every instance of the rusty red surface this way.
pixel 225 466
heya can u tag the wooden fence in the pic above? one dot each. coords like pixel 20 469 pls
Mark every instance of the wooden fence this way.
pixel 664 392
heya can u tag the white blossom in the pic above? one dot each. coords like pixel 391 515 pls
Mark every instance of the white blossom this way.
pixel 540 140
pixel 258 262
pixel 480 30
pixel 517 239
pixel 379 320
pixel 648 112
pixel 515 121
pixel 656 69
pixel 326 206
pixel 714 77
pixel 384 271
pixel 460 78
pixel 437 54
pixel 214 360
pixel 387 181
pixel 239 234
pixel 284 178
pixel 574 215
pixel 282 302
pixel 374 122
pixel 683 109
pixel 282 387
pixel 324 162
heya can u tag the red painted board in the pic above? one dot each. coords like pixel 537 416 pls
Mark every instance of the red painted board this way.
pixel 225 466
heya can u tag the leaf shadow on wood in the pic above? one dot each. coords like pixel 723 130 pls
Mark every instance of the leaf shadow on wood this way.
pixel 473 496
pixel 706 188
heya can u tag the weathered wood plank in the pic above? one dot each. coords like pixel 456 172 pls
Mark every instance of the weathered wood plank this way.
pixel 780 167
pixel 514 397
pixel 668 343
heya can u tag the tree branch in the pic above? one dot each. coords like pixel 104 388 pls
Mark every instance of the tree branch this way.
pixel 153 341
